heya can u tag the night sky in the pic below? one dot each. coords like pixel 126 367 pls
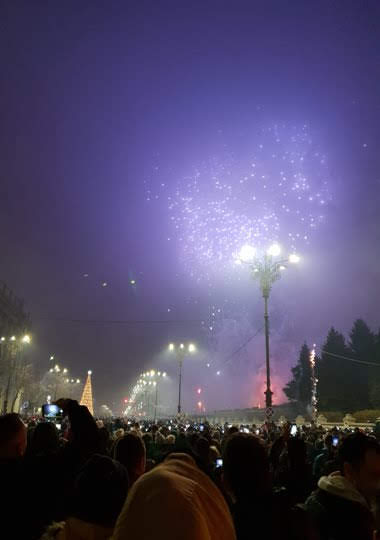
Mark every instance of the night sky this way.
pixel 111 110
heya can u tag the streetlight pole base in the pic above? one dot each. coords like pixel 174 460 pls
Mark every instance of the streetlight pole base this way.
pixel 268 397
pixel 268 402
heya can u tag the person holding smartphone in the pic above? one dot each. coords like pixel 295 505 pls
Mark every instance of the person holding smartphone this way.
pixel 326 461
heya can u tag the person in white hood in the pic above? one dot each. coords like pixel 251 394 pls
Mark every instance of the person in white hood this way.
pixel 175 501
pixel 343 506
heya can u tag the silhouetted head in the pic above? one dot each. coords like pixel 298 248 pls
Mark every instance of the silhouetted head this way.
pixel 100 491
pixel 130 451
pixel 13 436
pixel 44 439
pixel 359 459
pixel 246 466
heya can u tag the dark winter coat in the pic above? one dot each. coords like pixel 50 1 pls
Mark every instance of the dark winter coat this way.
pixel 339 511
pixel 271 516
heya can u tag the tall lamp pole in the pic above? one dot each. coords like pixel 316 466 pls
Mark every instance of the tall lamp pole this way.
pixel 181 351
pixel 155 401
pixel 266 269
pixel 144 384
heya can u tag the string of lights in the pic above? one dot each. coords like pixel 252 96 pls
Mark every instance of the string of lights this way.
pixel 314 382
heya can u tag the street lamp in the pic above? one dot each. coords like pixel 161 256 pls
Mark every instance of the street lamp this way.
pixel 139 387
pixel 266 269
pixel 181 351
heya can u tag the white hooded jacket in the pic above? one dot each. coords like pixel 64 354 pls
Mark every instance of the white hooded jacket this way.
pixel 338 485
pixel 175 501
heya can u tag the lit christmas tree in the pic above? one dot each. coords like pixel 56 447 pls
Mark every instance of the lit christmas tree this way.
pixel 86 398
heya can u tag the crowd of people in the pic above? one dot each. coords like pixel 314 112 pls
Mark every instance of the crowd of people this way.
pixel 121 479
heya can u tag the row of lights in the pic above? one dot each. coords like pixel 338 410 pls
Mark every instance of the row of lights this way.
pixel 57 369
pixel 191 347
pixel 150 374
pixel 23 339
pixel 143 382
pixel 248 253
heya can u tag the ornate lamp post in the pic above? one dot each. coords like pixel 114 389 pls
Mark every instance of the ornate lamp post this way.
pixel 181 351
pixel 266 269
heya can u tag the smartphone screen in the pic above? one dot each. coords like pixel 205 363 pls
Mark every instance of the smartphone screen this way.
pixel 49 410
pixel 219 463
pixel 335 441
pixel 293 430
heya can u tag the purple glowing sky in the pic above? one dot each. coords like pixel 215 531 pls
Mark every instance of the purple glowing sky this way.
pixel 107 105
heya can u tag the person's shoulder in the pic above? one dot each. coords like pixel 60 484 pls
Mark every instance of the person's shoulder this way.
pixel 317 498
pixel 55 531
pixel 321 455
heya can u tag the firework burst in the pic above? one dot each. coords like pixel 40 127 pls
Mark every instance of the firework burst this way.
pixel 277 192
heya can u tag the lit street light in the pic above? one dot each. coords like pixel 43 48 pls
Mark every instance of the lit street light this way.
pixel 181 351
pixel 266 268
pixel 151 383
pixel 61 377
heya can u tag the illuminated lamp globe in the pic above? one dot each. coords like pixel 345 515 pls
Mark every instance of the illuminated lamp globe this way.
pixel 191 347
pixel 294 258
pixel 274 250
pixel 247 253
pixel 89 372
pixel 171 346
